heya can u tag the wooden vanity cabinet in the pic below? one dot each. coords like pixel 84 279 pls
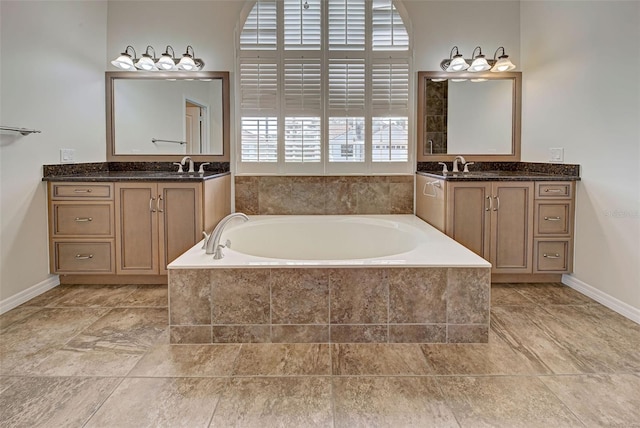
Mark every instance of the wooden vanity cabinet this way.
pixel 130 228
pixel 81 228
pixel 524 228
pixel 156 222
pixel 493 219
pixel 553 226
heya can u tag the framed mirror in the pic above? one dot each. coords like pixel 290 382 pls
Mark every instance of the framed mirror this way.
pixel 159 116
pixel 476 115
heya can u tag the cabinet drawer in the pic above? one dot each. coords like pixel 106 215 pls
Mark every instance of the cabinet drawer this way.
pixel 83 257
pixel 552 219
pixel 551 256
pixel 553 190
pixel 82 219
pixel 81 190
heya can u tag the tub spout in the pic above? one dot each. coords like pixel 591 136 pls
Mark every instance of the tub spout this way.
pixel 212 243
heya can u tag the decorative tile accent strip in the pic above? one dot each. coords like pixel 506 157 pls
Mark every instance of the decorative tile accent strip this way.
pixel 304 195
pixel 330 305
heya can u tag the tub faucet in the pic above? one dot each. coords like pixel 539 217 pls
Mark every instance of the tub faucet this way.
pixel 455 163
pixel 212 242
pixel 184 160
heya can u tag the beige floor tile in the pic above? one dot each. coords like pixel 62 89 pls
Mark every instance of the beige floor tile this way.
pixel 27 342
pixel 90 362
pixel 390 402
pixel 507 295
pixel 600 400
pixel 378 359
pixel 523 328
pixel 283 360
pixel 553 294
pixel 107 296
pixel 147 296
pixel 275 402
pixel 495 357
pixel 131 330
pixel 160 402
pixel 53 402
pixel 508 402
pixel 49 297
pixel 15 315
pixel 187 361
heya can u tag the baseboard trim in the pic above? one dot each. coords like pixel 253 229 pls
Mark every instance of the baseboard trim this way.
pixel 29 293
pixel 610 302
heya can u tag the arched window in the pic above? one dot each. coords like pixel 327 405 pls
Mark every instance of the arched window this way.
pixel 324 88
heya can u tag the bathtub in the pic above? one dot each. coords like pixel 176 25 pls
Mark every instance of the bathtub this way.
pixel 319 240
pixel 330 279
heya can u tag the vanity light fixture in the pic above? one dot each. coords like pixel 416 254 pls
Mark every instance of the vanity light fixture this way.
pixel 455 62
pixel 479 62
pixel 166 62
pixel 503 63
pixel 125 60
pixel 146 61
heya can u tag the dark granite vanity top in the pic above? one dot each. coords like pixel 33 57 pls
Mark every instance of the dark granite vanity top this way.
pixel 504 171
pixel 129 171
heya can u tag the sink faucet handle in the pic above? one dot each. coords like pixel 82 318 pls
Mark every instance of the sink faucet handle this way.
pixel 466 166
pixel 201 170
pixel 179 166
pixel 444 167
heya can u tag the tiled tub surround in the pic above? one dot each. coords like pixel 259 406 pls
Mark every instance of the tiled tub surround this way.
pixel 300 195
pixel 437 292
pixel 329 305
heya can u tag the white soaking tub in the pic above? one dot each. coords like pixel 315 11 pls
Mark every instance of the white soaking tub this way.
pixel 330 279
pixel 331 240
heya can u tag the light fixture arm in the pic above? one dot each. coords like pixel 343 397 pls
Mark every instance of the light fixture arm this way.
pixel 451 54
pixel 166 51
pixel 496 53
pixel 154 52
pixel 126 52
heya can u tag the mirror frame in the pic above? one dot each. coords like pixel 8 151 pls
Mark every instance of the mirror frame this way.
pixel 111 76
pixel 515 76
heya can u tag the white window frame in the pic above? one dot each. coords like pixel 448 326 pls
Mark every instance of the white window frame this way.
pixel 325 167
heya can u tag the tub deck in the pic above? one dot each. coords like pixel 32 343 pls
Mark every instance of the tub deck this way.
pixel 437 293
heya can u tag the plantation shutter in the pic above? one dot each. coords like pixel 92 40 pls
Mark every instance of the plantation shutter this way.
pixel 388 32
pixel 302 24
pixel 259 104
pixel 260 31
pixel 346 21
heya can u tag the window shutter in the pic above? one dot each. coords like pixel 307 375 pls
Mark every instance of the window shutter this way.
pixel 388 32
pixel 346 25
pixel 302 139
pixel 260 30
pixel 347 85
pixel 302 24
pixel 258 85
pixel 390 86
pixel 303 85
pixel 259 139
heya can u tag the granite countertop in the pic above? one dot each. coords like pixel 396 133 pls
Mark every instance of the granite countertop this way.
pixel 504 171
pixel 498 176
pixel 136 176
pixel 129 171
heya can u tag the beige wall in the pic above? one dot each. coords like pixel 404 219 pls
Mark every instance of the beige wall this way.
pixel 52 79
pixel 581 91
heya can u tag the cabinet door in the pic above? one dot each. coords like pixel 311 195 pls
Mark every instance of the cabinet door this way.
pixel 180 220
pixel 430 201
pixel 512 227
pixel 136 228
pixel 468 215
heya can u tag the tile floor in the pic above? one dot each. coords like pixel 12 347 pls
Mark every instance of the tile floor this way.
pixel 99 356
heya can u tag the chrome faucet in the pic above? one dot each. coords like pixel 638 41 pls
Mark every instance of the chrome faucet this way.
pixel 455 163
pixel 184 160
pixel 212 242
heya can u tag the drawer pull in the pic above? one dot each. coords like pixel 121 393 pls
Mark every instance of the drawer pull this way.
pixel 83 219
pixel 151 205
pixel 551 256
pixel 552 218
pixel 84 256
pixel 488 198
pixel 554 190
pixel 82 190
pixel 160 210
pixel 497 198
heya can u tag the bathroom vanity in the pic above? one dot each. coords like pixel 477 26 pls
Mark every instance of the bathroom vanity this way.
pixel 520 221
pixel 109 226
